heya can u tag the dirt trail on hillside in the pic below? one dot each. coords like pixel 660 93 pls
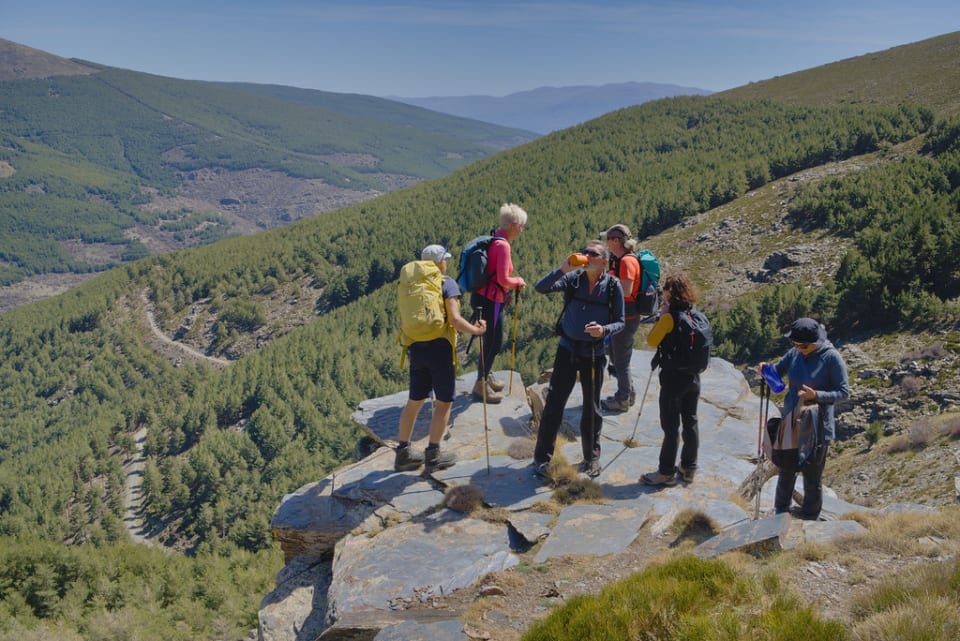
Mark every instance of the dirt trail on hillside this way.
pixel 133 491
pixel 186 350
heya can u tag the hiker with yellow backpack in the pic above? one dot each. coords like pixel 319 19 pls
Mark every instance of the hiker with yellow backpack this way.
pixel 429 306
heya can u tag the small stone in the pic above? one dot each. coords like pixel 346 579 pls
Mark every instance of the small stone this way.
pixel 492 590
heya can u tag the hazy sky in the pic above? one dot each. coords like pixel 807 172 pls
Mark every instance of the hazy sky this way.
pixel 419 48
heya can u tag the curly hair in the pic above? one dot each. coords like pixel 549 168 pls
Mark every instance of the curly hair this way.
pixel 683 293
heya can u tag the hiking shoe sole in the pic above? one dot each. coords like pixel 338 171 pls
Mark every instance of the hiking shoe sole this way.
pixel 591 468
pixel 614 405
pixel 541 471
pixel 407 461
pixel 657 479
pixel 685 475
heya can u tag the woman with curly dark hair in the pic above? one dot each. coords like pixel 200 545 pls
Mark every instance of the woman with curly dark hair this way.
pixel 679 382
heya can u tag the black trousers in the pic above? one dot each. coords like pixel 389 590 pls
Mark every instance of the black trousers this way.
pixel 812 470
pixel 566 367
pixel 492 312
pixel 679 396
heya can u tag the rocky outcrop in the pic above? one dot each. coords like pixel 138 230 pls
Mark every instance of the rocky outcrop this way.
pixel 366 542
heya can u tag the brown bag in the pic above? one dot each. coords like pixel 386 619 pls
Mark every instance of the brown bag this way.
pixel 784 439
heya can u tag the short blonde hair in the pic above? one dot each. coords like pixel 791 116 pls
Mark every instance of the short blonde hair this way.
pixel 510 213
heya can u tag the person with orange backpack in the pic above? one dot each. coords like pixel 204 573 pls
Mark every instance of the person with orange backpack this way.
pixel 429 306
pixel 639 276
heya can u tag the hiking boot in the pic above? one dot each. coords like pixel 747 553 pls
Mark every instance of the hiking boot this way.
pixel 435 460
pixel 495 383
pixel 492 396
pixel 591 468
pixel 656 478
pixel 686 474
pixel 407 460
pixel 614 404
pixel 541 471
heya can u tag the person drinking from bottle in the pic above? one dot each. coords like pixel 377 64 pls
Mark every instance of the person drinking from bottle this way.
pixel 593 310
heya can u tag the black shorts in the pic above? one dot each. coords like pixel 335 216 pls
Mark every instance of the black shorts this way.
pixel 431 368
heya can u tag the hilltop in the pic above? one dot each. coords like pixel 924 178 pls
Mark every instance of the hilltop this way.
pixel 19 62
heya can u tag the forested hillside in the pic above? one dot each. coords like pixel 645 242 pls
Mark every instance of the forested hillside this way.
pixel 225 443
pixel 107 167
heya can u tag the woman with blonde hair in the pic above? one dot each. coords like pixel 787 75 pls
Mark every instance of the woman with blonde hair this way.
pixel 491 301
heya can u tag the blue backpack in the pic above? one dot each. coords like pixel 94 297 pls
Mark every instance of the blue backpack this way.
pixel 473 275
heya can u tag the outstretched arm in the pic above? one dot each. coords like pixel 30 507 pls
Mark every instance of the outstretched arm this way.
pixel 460 323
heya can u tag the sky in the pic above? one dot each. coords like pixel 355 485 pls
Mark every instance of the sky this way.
pixel 421 48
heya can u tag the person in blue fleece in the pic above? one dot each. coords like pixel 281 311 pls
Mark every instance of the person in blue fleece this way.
pixel 817 376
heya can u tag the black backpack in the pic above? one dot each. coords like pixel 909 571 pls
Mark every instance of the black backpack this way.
pixel 686 350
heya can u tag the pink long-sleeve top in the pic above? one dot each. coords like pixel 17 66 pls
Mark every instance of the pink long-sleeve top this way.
pixel 500 266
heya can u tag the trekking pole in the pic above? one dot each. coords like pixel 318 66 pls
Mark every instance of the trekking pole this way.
pixel 643 399
pixel 764 391
pixel 513 350
pixel 486 436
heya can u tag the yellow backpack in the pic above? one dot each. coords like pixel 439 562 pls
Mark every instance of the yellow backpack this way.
pixel 420 302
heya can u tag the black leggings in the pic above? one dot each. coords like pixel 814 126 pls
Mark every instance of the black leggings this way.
pixel 812 470
pixel 492 312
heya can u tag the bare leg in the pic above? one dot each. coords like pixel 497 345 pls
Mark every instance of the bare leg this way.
pixel 409 415
pixel 438 424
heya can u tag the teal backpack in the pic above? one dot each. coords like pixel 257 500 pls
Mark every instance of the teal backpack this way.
pixel 647 291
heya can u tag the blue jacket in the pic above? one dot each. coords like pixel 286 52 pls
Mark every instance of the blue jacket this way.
pixel 603 305
pixel 824 371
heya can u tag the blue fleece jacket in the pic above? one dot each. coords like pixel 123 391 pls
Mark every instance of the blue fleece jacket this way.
pixel 586 306
pixel 824 371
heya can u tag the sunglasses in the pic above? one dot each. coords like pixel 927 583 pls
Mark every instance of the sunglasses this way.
pixel 801 345
pixel 590 252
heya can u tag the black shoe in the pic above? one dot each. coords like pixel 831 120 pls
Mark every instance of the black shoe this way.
pixel 435 460
pixel 614 404
pixel 591 468
pixel 407 460
pixel 541 471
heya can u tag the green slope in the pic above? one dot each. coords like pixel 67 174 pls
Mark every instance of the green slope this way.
pixel 143 130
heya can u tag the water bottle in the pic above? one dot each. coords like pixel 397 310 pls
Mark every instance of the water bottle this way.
pixel 772 378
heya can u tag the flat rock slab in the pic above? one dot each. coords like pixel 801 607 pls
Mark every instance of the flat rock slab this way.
pixel 766 534
pixel 801 532
pixel 507 483
pixel 410 631
pixel 595 529
pixel 416 560
pixel 532 526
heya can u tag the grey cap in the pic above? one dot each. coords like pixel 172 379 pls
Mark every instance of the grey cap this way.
pixel 436 253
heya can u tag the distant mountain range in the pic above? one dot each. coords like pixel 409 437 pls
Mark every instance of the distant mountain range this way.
pixel 547 109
